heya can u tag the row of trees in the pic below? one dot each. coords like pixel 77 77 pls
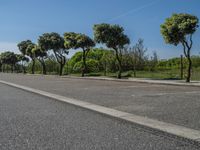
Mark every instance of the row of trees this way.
pixel 111 35
pixel 12 59
pixel 104 60
pixel 178 29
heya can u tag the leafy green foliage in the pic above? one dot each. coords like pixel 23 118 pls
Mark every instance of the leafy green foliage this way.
pixel 76 41
pixel 177 27
pixel 9 58
pixel 53 41
pixel 113 36
pixel 23 46
pixel 40 55
pixel 94 62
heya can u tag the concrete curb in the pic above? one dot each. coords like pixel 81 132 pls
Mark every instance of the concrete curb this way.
pixel 136 80
pixel 190 135
pixel 158 82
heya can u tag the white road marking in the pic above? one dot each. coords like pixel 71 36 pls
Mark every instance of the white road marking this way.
pixel 135 86
pixel 175 93
pixel 142 86
pixel 163 94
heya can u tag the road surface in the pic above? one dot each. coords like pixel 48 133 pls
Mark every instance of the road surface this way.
pixel 178 105
pixel 30 121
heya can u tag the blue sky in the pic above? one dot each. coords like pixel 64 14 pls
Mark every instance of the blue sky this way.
pixel 27 19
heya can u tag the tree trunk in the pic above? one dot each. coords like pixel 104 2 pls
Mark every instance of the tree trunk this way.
pixel 61 60
pixel 12 68
pixel 134 70
pixel 188 78
pixel 119 76
pixel 67 68
pixel 24 69
pixel 187 48
pixel 105 69
pixel 181 67
pixel 1 68
pixel 84 63
pixel 61 69
pixel 33 67
pixel 43 66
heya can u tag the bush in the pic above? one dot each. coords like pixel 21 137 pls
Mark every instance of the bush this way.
pixel 128 74
pixel 94 74
pixel 77 67
pixel 92 65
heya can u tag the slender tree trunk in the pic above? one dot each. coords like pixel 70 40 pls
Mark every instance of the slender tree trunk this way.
pixel 105 69
pixel 134 70
pixel 24 69
pixel 44 72
pixel 33 67
pixel 181 67
pixel 119 76
pixel 44 68
pixel 84 63
pixel 3 70
pixel 61 69
pixel 12 68
pixel 187 48
pixel 188 78
pixel 61 60
pixel 67 68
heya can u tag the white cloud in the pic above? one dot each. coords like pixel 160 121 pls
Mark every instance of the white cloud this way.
pixel 8 46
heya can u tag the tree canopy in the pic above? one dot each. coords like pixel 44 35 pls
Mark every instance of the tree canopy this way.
pixel 53 41
pixel 23 46
pixel 111 35
pixel 179 28
pixel 78 40
pixel 114 37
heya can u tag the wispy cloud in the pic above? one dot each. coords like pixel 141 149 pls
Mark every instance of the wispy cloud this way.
pixel 135 10
pixel 8 46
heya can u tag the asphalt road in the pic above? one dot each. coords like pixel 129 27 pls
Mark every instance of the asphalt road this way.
pixel 174 104
pixel 29 121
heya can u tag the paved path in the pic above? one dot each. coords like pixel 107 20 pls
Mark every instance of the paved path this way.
pixel 29 121
pixel 172 104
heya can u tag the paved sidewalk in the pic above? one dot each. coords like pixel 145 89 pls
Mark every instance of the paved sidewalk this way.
pixel 139 80
pixel 142 80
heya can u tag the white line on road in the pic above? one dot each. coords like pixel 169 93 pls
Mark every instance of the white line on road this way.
pixel 143 86
pixel 171 129
pixel 175 93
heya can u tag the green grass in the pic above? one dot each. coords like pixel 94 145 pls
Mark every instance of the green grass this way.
pixel 158 74
pixel 162 74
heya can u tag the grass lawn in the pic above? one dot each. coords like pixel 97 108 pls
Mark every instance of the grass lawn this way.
pixel 165 74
